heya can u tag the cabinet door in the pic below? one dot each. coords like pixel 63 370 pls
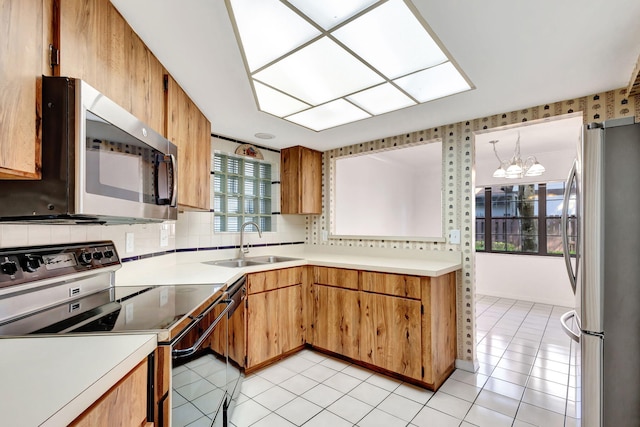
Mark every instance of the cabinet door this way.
pixel 190 131
pixel 339 277
pixel 336 324
pixel 26 32
pixel 300 181
pixel 391 284
pixel 273 279
pixel 390 334
pixel 274 324
pixel 98 46
pixel 124 405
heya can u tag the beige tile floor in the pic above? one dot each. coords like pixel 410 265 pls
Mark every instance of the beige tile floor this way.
pixel 526 377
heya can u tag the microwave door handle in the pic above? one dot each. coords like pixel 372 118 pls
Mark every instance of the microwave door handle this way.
pixel 565 326
pixel 564 224
pixel 174 183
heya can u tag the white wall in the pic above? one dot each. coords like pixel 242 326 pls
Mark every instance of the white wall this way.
pixel 531 278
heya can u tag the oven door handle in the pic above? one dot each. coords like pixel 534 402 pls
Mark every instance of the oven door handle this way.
pixel 179 353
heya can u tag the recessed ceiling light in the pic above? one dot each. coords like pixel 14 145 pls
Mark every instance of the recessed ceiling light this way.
pixel 263 135
pixel 325 64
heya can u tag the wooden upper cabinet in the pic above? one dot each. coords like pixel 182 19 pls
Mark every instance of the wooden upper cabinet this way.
pixel 190 131
pixel 300 181
pixel 98 46
pixel 26 30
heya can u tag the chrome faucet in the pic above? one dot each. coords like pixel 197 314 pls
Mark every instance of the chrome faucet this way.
pixel 244 250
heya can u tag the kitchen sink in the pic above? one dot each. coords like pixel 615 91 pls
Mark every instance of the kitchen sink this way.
pixel 247 262
pixel 270 259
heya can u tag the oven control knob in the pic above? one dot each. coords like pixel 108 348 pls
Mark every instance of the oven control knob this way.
pixel 97 255
pixel 30 263
pixel 85 258
pixel 9 267
pixel 108 253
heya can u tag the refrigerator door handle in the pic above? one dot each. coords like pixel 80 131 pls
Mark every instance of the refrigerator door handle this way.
pixel 564 319
pixel 564 224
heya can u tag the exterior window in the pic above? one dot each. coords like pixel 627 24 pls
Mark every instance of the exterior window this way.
pixel 241 192
pixel 523 219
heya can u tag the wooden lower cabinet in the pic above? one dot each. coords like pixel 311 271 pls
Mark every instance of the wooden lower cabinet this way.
pixel 124 405
pixel 404 325
pixel 439 330
pixel 336 320
pixel 274 324
pixel 390 334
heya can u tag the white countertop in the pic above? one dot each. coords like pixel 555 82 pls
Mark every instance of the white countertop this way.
pixel 195 267
pixel 51 380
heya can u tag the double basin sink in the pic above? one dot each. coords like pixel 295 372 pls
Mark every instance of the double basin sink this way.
pixel 249 261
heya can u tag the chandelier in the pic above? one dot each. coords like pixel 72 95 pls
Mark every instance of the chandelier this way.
pixel 516 167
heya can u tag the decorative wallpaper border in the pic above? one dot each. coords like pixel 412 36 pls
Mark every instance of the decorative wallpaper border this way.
pixel 458 183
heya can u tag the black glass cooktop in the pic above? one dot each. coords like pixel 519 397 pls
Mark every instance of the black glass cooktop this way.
pixel 116 309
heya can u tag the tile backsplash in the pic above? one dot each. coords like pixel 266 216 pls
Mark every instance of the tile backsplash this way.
pixel 192 230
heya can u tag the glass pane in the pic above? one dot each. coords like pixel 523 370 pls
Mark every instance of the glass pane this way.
pixel 233 205
pixel 218 203
pixel 403 47
pixel 480 197
pixel 219 183
pixel 234 223
pixel 250 206
pixel 265 171
pixel 265 223
pixel 219 163
pixel 219 224
pixel 250 169
pixel 250 187
pixel 265 206
pixel 234 165
pixel 233 185
pixel 264 189
pixel 318 73
pixel 480 233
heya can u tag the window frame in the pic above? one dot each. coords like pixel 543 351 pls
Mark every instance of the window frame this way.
pixel 542 221
pixel 261 197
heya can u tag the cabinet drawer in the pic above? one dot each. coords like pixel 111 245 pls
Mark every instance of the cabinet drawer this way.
pixel 273 279
pixel 339 277
pixel 392 284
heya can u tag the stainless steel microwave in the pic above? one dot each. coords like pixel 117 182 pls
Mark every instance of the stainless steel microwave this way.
pixel 100 164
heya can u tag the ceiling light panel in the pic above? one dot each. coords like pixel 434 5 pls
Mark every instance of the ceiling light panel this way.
pixel 381 99
pixel 433 83
pixel 329 13
pixel 391 39
pixel 277 103
pixel 329 115
pixel 269 29
pixel 319 72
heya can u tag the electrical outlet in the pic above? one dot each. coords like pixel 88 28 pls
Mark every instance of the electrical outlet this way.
pixel 454 237
pixel 164 235
pixel 128 313
pixel 164 297
pixel 128 242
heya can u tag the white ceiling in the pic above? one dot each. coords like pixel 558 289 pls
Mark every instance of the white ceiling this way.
pixel 517 54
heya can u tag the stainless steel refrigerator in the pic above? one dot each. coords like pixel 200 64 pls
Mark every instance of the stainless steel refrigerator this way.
pixel 605 272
